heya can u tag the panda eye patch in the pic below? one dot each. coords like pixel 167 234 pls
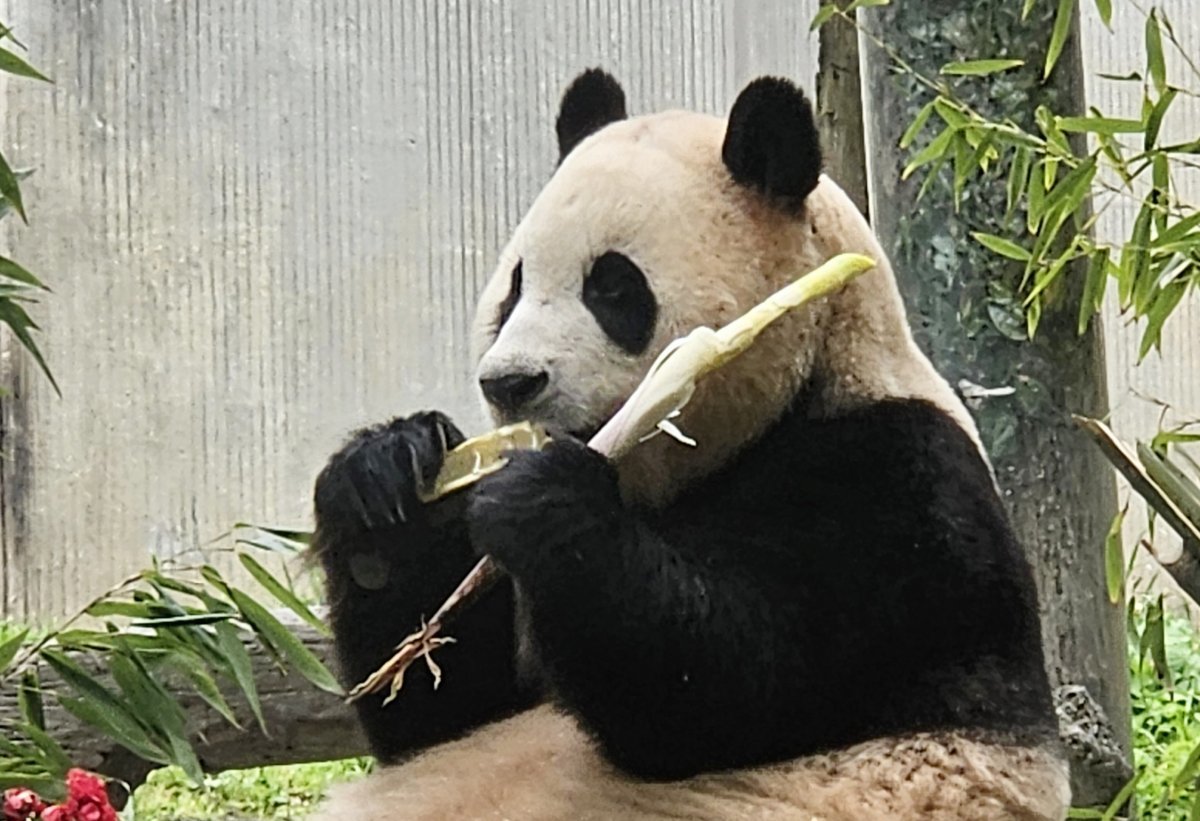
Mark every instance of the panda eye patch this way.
pixel 617 294
pixel 511 300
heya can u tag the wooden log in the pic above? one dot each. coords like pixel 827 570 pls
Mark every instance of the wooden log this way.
pixel 304 723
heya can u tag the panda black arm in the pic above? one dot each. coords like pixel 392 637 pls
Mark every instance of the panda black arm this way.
pixel 388 562
pixel 672 660
pixel 842 579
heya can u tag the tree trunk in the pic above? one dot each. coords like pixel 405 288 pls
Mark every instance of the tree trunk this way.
pixel 840 110
pixel 1059 490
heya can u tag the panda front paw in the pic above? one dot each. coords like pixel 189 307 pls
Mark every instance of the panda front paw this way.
pixel 374 480
pixel 544 506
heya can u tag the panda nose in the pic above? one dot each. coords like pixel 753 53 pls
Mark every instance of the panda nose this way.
pixel 511 391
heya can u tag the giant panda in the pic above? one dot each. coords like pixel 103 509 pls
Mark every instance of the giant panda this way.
pixel 819 611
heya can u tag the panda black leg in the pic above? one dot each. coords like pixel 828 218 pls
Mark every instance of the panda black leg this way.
pixel 389 561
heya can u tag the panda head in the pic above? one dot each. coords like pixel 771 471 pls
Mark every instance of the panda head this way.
pixel 654 225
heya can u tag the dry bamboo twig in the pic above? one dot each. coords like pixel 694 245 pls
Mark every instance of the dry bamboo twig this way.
pixel 667 387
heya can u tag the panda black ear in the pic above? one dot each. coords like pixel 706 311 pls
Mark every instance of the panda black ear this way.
pixel 593 100
pixel 771 141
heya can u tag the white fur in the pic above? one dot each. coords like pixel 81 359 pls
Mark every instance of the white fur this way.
pixel 539 767
pixel 655 189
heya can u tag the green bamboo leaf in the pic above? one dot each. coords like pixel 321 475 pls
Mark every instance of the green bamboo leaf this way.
pixel 1028 7
pixel 159 709
pixel 1156 640
pixel 10 188
pixel 29 699
pixel 1018 178
pixel 1104 7
pixel 962 169
pixel 1058 36
pixel 1035 198
pixel 49 787
pixel 240 666
pixel 285 642
pixel 1100 125
pixel 52 753
pixel 1114 558
pixel 19 322
pixel 10 646
pixel 951 113
pixel 866 4
pixel 101 708
pixel 183 755
pixel 936 149
pixel 1192 147
pixel 117 725
pixel 1093 289
pixel 1049 275
pixel 1156 64
pixel 1122 798
pixel 931 176
pixel 191 666
pixel 823 16
pixel 113 607
pixel 1135 257
pixel 149 700
pixel 1001 246
pixel 300 537
pixel 916 125
pixel 1188 772
pixel 975 68
pixel 1169 437
pixel 12 270
pixel 281 592
pixel 13 64
pixel 163 582
pixel 1178 231
pixel 1071 191
pixel 81 639
pixel 1033 316
pixel 188 619
pixel 1174 482
pixel 1155 120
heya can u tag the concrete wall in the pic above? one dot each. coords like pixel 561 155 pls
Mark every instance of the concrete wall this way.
pixel 266 224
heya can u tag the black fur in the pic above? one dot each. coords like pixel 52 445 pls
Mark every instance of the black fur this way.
pixel 509 303
pixel 593 100
pixel 389 561
pixel 839 580
pixel 616 293
pixel 771 142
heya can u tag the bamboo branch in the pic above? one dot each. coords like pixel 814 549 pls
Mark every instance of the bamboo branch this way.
pixel 668 386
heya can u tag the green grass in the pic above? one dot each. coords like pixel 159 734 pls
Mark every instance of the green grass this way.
pixel 1166 726
pixel 260 793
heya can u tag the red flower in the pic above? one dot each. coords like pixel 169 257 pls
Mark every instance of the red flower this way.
pixel 59 812
pixel 87 799
pixel 21 804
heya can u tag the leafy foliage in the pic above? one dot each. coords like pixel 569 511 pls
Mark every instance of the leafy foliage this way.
pixel 281 792
pixel 18 287
pixel 1058 166
pixel 1166 715
pixel 110 661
